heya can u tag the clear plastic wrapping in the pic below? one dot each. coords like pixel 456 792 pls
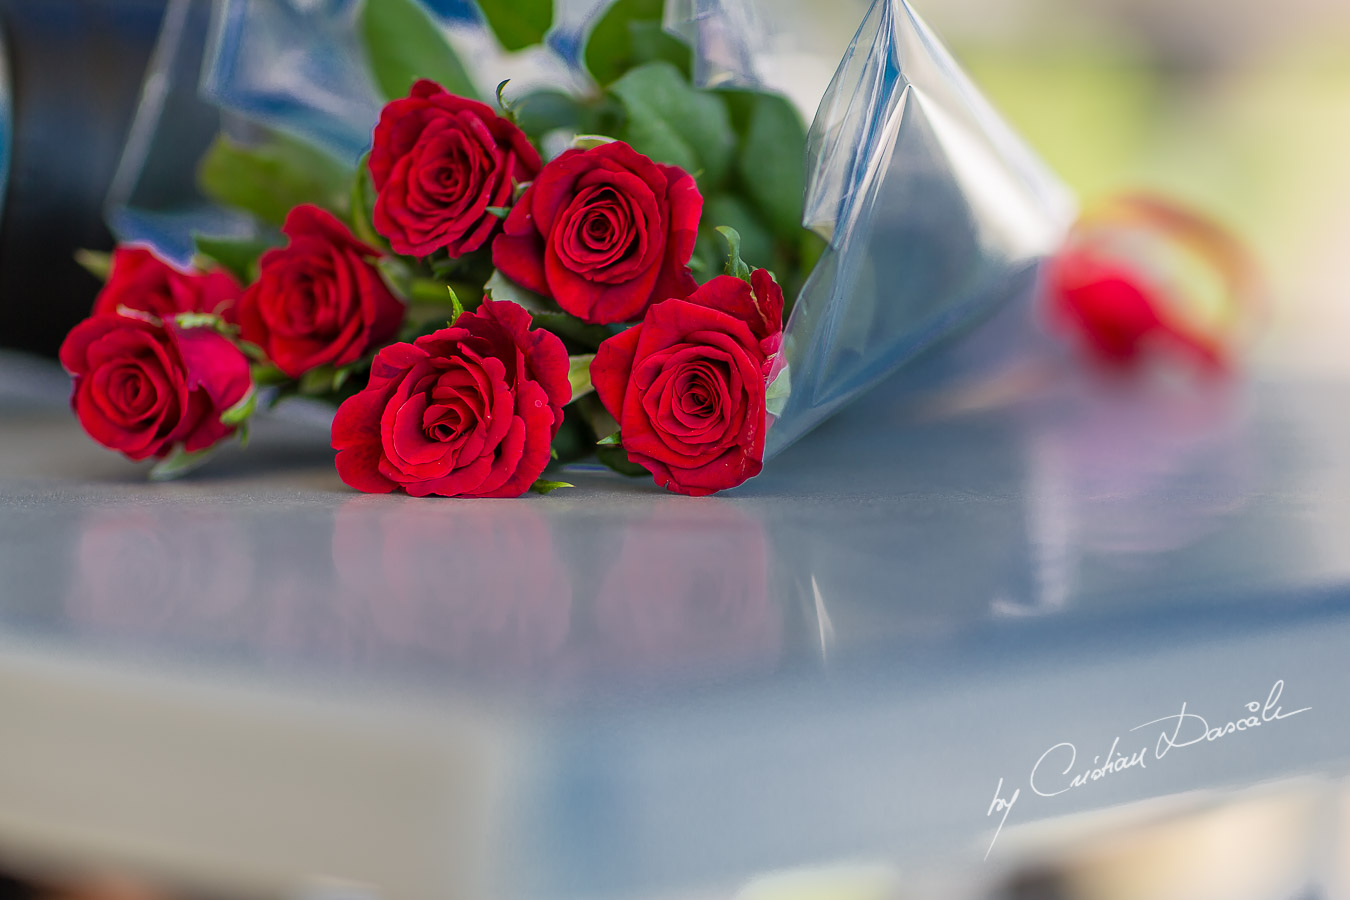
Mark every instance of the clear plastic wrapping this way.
pixel 935 213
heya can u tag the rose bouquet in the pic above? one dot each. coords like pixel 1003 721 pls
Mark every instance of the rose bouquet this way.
pixel 674 277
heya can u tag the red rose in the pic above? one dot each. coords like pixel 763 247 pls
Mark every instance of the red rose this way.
pixel 141 280
pixel 605 232
pixel 687 385
pixel 1118 316
pixel 438 162
pixel 143 387
pixel 469 410
pixel 318 300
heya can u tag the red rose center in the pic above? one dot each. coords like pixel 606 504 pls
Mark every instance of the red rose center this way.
pixel 131 391
pixel 700 392
pixel 453 172
pixel 601 232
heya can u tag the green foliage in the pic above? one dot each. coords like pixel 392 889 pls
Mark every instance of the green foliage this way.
pixel 363 206
pixel 579 374
pixel 616 458
pixel 95 262
pixel 265 374
pixel 629 35
pixel 326 380
pixel 672 122
pixel 732 210
pixel 238 256
pixel 573 440
pixel 179 463
pixel 499 287
pixel 771 158
pixel 269 180
pixel 518 23
pixel 456 308
pixel 547 487
pixel 403 44
pixel 241 411
pixel 571 329
pixel 543 111
pixel 735 266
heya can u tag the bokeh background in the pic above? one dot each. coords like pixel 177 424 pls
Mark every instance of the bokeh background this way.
pixel 1238 108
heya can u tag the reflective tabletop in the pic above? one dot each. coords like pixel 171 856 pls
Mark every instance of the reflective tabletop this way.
pixel 925 620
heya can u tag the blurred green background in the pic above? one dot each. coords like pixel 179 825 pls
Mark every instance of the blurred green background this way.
pixel 1238 108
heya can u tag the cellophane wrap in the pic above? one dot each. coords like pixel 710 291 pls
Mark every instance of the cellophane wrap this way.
pixel 935 213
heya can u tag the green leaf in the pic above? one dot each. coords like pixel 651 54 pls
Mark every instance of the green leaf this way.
pixel 403 44
pixel 616 458
pixel 547 487
pixel 324 380
pixel 735 266
pixel 456 308
pixel 570 328
pixel 238 256
pixel 363 206
pixel 614 440
pixel 757 244
pixel 179 462
pixel 670 121
pixel 252 351
pixel 630 34
pixel 579 374
pixel 518 23
pixel 429 290
pixel 499 287
pixel 590 141
pixel 201 320
pixel 271 179
pixel 543 111
pixel 771 162
pixel 95 262
pixel 241 411
pixel 500 212
pixel 265 374
pixel 777 392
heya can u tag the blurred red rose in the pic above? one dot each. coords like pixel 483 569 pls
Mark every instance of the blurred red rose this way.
pixel 482 590
pixel 1118 316
pixel 687 385
pixel 469 410
pixel 141 280
pixel 319 300
pixel 687 594
pixel 605 232
pixel 142 386
pixel 438 162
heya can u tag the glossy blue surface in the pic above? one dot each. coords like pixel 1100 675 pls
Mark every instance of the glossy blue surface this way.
pixel 839 660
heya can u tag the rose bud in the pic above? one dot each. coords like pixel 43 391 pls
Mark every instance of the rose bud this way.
pixel 687 385
pixel 143 387
pixel 605 232
pixel 319 300
pixel 438 162
pixel 141 280
pixel 467 411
